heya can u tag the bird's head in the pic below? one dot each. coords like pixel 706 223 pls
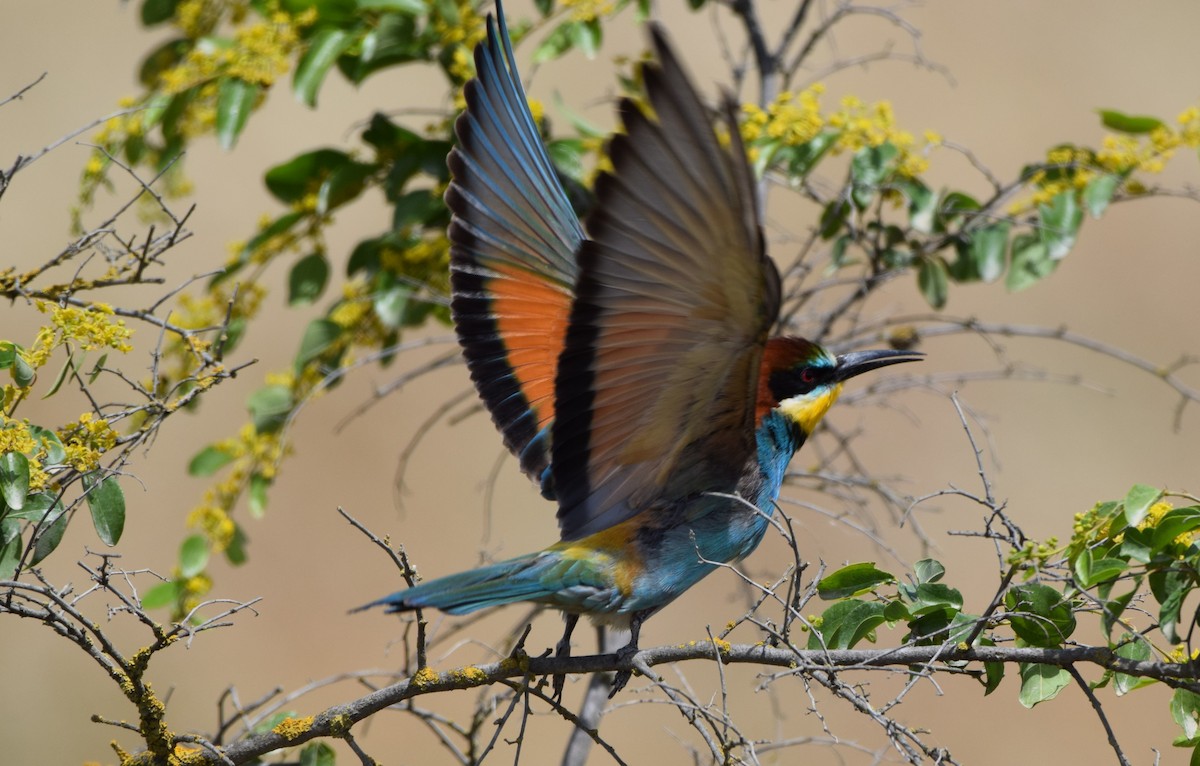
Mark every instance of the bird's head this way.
pixel 803 380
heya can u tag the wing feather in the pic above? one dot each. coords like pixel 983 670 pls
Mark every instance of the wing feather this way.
pixel 657 382
pixel 514 238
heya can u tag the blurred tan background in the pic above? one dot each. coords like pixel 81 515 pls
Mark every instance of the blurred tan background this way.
pixel 1027 75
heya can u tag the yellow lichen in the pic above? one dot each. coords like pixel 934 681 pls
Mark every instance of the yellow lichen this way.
pixel 425 677
pixel 293 728
pixel 470 674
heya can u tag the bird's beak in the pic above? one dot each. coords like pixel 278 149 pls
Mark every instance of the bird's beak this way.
pixel 858 362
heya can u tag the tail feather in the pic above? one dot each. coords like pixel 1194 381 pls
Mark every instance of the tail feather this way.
pixel 465 592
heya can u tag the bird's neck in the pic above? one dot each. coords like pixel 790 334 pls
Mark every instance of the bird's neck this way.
pixel 778 437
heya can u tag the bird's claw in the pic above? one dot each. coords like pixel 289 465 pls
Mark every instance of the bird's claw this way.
pixel 629 654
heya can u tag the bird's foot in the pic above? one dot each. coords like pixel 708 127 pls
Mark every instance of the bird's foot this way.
pixel 629 654
pixel 562 651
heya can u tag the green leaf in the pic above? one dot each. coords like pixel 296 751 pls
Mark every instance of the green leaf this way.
pixel 8 354
pixel 1039 614
pixel 14 479
pixel 1099 192
pixel 922 204
pixel 158 11
pixel 896 611
pixel 49 537
pixel 586 36
pixel 1170 587
pixel 929 570
pixel 988 246
pixel 317 754
pixel 235 100
pixel 803 158
pixel 1137 544
pixel 106 501
pixel 235 552
pixel 1090 571
pixel 833 217
pixel 1138 501
pixel 164 57
pixel 22 373
pixel 292 180
pixel 993 675
pixel 1185 709
pixel 416 207
pixel 319 336
pixel 258 495
pixel 10 548
pixel 1113 608
pixel 414 7
pixel 1030 262
pixel 391 305
pixel 60 378
pixel 193 556
pixel 1133 647
pixel 1174 523
pixel 97 368
pixel 163 594
pixel 930 597
pixel 954 206
pixel 307 279
pixel 1040 683
pixel 393 40
pixel 567 155
pixel 269 407
pixel 208 461
pixel 343 185
pixel 554 45
pixel 323 50
pixel 846 623
pixel 42 505
pixel 1060 222
pixel 933 281
pixel 1128 123
pixel 868 168
pixel 852 580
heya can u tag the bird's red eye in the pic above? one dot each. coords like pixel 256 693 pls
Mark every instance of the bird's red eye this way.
pixel 808 376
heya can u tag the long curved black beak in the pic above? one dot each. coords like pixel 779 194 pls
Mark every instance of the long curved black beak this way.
pixel 858 362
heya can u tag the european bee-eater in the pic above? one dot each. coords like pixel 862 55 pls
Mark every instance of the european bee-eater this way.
pixel 627 364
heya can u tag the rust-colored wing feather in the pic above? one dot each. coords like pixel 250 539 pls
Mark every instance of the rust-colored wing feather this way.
pixel 656 387
pixel 513 240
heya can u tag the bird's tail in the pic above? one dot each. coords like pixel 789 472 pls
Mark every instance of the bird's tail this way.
pixel 501 583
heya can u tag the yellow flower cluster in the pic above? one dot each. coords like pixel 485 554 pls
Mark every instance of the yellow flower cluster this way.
pixel 254 454
pixel 863 124
pixel 793 119
pixel 197 18
pixel 1072 168
pixel 590 10
pixel 91 327
pixel 192 589
pixel 16 437
pixel 458 32
pixel 86 440
pixel 1180 654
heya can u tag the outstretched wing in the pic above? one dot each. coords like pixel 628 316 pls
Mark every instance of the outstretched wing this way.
pixel 513 241
pixel 656 386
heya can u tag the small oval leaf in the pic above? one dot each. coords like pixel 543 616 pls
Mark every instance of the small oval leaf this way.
pixel 106 501
pixel 14 479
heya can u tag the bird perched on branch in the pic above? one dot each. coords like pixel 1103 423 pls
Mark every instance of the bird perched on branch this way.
pixel 628 364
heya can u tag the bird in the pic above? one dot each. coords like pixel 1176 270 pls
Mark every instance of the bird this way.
pixel 627 363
